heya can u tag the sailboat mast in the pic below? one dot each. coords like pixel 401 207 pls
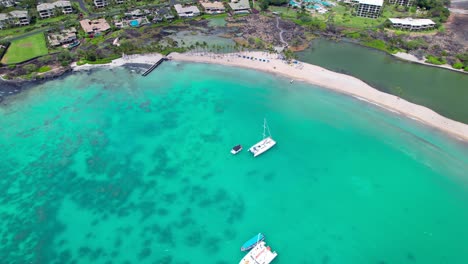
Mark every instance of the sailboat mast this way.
pixel 264 128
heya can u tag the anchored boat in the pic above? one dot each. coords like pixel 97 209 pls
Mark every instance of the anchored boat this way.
pixel 260 254
pixel 236 149
pixel 265 144
pixel 249 244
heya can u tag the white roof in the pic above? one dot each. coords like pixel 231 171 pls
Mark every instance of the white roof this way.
pixel 371 2
pixel 47 6
pixel 19 13
pixel 186 9
pixel 239 4
pixel 413 22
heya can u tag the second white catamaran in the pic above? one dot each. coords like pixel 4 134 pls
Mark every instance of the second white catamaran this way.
pixel 265 144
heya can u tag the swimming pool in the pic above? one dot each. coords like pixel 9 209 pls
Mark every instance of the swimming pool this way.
pixel 134 23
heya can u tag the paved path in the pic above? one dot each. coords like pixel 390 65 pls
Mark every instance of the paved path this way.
pixel 281 32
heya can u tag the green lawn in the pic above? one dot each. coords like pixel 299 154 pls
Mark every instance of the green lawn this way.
pixel 26 48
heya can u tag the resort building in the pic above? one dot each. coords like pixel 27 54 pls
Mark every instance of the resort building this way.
pixel 401 2
pixel 14 18
pixel 240 6
pixel 369 8
pixel 7 3
pixel 63 37
pixel 163 13
pixel 213 7
pixel 47 10
pixel 412 24
pixel 188 11
pixel 93 27
pixel 137 13
pixel 101 3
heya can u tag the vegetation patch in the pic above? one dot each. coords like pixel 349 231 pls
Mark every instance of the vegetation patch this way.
pixel 44 69
pixel 435 60
pixel 25 49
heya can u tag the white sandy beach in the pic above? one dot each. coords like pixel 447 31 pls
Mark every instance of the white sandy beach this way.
pixel 150 58
pixel 332 80
pixel 309 73
pixel 412 58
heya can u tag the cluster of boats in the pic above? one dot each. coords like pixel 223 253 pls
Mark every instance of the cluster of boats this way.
pixel 259 252
pixel 265 144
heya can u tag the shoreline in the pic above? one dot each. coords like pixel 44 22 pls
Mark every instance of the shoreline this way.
pixel 338 82
pixel 411 58
pixel 308 73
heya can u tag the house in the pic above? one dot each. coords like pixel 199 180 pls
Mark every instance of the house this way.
pixel 240 6
pixel 93 27
pixel 369 8
pixel 137 13
pixel 101 3
pixel 7 3
pixel 401 2
pixel 163 13
pixel 14 18
pixel 188 11
pixel 63 37
pixel 47 10
pixel 213 7
pixel 412 24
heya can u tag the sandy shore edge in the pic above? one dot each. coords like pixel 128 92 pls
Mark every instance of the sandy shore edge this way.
pixel 408 57
pixel 149 58
pixel 309 73
pixel 332 80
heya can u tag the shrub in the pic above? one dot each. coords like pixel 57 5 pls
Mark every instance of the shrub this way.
pixel 435 60
pixel 44 69
pixel 29 68
pixel 458 65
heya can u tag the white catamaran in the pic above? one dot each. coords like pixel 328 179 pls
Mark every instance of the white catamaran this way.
pixel 260 254
pixel 265 144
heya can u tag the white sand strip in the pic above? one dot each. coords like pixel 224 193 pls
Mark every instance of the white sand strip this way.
pixel 332 80
pixel 412 58
pixel 150 58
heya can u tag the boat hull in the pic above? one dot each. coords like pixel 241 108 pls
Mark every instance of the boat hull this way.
pixel 251 243
pixel 262 146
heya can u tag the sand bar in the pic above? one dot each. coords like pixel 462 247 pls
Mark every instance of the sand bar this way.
pixel 328 79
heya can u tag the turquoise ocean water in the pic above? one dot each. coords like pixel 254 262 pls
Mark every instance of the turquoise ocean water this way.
pixel 111 167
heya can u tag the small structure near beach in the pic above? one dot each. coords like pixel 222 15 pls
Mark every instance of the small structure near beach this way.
pixel 94 27
pixel 187 11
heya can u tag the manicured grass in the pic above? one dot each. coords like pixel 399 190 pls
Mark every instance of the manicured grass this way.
pixel 26 48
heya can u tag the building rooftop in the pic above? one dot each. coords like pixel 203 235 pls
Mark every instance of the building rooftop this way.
pixel 57 38
pixel 239 4
pixel 180 9
pixel 371 2
pixel 97 25
pixel 48 6
pixel 217 5
pixel 411 21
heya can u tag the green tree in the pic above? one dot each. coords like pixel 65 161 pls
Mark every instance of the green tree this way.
pixel 264 5
pixel 29 68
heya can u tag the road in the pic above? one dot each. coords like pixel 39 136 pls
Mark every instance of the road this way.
pixel 281 32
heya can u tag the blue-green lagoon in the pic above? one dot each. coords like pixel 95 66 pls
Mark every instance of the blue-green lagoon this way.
pixel 110 167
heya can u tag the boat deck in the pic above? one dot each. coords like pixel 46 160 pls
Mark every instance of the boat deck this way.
pixel 260 254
